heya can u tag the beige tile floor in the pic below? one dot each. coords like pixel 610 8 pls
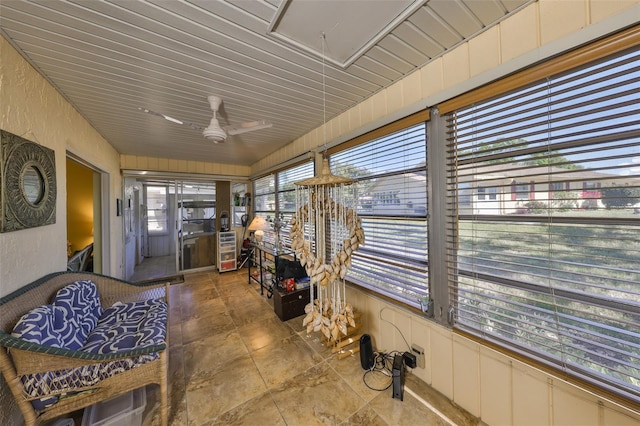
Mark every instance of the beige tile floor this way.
pixel 154 267
pixel 233 362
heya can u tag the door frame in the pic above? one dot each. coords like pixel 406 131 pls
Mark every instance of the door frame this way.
pixel 101 223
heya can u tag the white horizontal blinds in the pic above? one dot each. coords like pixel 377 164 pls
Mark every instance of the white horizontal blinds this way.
pixel 264 189
pixel 156 214
pixel 287 195
pixel 390 174
pixel 545 252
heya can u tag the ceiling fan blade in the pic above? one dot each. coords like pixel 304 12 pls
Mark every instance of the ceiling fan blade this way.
pixel 247 127
pixel 171 119
pixel 214 132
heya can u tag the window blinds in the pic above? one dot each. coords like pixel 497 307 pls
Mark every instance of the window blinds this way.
pixel 287 195
pixel 265 200
pixel 544 245
pixel 390 174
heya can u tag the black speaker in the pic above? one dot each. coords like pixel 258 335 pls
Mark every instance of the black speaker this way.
pixel 398 377
pixel 366 352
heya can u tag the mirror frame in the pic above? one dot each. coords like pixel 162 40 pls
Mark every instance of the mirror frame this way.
pixel 18 157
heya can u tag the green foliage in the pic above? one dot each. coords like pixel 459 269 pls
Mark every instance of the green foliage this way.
pixel 564 201
pixel 536 207
pixel 497 150
pixel 506 151
pixel 551 158
pixel 620 196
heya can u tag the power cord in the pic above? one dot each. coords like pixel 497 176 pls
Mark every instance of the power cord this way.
pixel 380 377
pixel 381 371
pixel 402 335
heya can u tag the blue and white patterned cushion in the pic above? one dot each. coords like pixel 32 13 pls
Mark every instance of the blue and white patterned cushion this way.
pixel 121 327
pixel 43 325
pixel 82 307
pixel 129 325
pixel 57 382
pixel 138 323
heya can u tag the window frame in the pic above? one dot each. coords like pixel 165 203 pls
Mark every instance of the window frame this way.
pixel 276 193
pixel 583 376
pixel 165 229
pixel 407 272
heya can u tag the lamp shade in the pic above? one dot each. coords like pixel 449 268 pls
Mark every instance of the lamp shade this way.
pixel 259 223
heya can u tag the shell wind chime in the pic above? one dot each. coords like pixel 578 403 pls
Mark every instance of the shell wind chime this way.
pixel 324 234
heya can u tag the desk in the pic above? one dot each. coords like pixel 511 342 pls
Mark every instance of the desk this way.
pixel 264 261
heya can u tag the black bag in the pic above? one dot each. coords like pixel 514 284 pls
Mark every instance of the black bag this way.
pixel 290 269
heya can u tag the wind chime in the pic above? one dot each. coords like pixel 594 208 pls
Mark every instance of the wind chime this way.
pixel 325 232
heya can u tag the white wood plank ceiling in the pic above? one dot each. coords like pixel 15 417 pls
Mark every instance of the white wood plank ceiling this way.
pixel 109 58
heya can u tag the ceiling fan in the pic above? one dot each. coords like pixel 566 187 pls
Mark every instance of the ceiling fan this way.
pixel 214 131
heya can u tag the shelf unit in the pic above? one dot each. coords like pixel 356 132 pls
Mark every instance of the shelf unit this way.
pixel 262 266
pixel 227 251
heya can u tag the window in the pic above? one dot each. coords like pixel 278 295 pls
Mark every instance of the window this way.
pixel 487 193
pixel 519 190
pixel 287 195
pixel 554 272
pixel 275 195
pixel 391 183
pixel 556 187
pixel 265 196
pixel 265 200
pixel 156 200
pixel 240 201
pixel 481 193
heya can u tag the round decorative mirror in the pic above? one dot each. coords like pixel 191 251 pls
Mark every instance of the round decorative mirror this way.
pixel 28 180
pixel 32 184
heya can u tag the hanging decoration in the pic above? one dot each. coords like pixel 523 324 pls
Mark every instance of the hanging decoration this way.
pixel 325 231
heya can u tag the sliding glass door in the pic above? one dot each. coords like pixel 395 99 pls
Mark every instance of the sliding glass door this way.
pixel 196 224
pixel 170 226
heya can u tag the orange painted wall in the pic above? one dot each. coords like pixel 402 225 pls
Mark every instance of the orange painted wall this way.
pixel 79 205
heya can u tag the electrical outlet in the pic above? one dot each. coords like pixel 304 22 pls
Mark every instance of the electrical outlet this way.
pixel 419 353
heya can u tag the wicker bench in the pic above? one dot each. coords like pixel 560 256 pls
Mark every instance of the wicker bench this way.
pixel 22 361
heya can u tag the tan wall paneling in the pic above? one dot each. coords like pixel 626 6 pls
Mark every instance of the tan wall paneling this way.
pixel 499 389
pixel 134 162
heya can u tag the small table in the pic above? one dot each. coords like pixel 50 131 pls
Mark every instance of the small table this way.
pixel 265 259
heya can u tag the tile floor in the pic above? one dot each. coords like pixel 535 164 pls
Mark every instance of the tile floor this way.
pixel 154 267
pixel 233 362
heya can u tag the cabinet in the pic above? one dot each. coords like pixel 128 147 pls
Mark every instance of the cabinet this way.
pixel 289 305
pixel 227 251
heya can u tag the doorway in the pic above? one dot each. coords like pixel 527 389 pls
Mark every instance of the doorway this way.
pixel 170 227
pixel 84 217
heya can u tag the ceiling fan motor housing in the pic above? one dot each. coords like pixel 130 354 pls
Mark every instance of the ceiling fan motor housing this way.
pixel 214 132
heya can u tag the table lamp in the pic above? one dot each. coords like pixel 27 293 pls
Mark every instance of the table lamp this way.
pixel 258 225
